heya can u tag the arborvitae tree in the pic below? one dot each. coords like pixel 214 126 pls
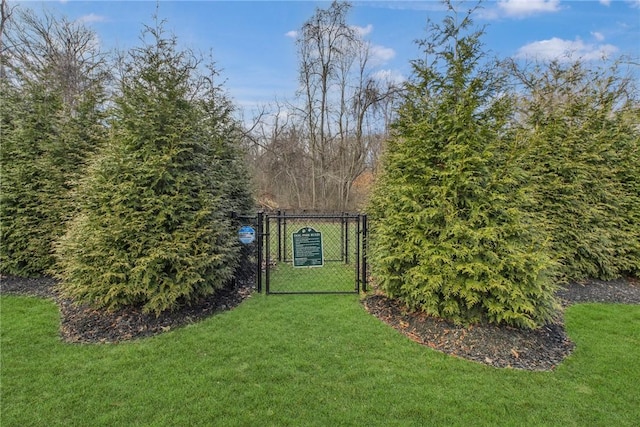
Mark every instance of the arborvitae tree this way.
pixel 51 123
pixel 627 139
pixel 28 130
pixel 584 155
pixel 447 235
pixel 222 130
pixel 44 151
pixel 154 228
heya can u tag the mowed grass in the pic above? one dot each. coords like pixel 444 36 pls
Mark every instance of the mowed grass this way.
pixel 307 360
pixel 332 277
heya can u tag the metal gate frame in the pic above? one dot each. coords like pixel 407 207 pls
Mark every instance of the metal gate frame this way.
pixel 346 220
pixel 257 261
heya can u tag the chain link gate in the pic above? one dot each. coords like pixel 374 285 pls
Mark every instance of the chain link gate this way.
pixel 315 253
pixel 304 253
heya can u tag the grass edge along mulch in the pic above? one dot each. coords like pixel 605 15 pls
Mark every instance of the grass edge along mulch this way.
pixel 499 346
pixel 307 360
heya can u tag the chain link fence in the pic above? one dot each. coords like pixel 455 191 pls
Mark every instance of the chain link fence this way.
pixel 303 253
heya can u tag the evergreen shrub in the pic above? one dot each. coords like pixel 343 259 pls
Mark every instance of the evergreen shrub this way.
pixel 154 228
pixel 448 236
pixel 45 149
pixel 584 156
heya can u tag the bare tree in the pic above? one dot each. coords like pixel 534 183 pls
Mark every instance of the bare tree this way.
pixel 308 153
pixel 5 16
pixel 323 45
pixel 54 51
pixel 6 13
pixel 338 97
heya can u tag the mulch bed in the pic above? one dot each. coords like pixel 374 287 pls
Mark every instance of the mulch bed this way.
pixel 499 346
pixel 502 346
pixel 83 324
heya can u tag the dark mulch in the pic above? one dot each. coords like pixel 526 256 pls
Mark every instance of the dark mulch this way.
pixel 502 346
pixel 81 323
pixel 499 346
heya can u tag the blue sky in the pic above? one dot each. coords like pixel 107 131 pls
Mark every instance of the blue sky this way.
pixel 253 42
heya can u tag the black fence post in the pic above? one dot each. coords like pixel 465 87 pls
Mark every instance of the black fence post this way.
pixel 284 234
pixel 365 226
pixel 267 260
pixel 279 236
pixel 260 242
pixel 357 255
pixel 345 238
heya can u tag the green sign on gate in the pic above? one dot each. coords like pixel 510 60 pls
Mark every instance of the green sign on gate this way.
pixel 307 248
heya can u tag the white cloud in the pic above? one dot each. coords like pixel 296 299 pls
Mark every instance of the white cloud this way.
pixel 521 8
pixel 389 76
pixel 605 2
pixel 92 17
pixel 363 31
pixel 597 35
pixel 488 13
pixel 634 3
pixel 565 50
pixel 293 34
pixel 379 55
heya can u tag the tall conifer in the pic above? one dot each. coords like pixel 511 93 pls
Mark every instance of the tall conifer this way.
pixel 154 228
pixel 583 146
pixel 45 150
pixel 51 123
pixel 448 237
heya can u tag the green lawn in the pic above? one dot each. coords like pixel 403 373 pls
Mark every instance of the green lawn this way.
pixel 332 277
pixel 307 360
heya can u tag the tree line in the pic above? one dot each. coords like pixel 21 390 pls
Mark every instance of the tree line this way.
pixel 309 152
pixel 492 181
